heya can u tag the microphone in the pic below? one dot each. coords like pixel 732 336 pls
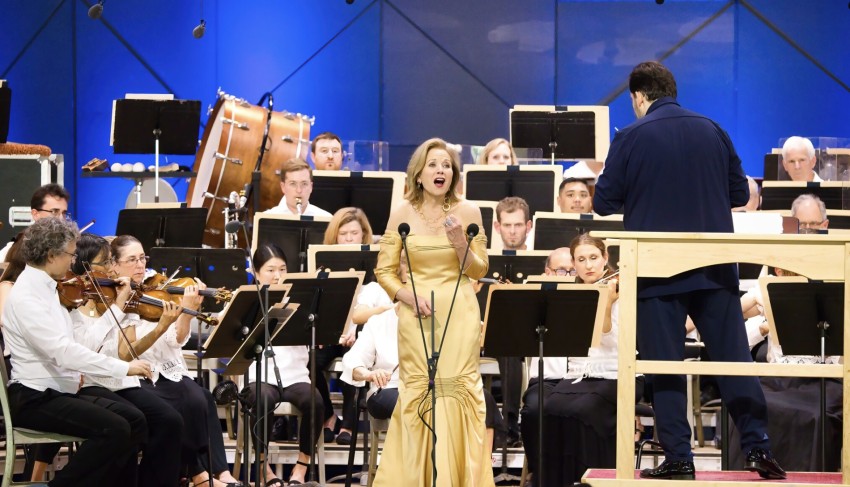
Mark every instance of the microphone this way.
pixel 471 231
pixel 233 226
pixel 96 10
pixel 197 32
pixel 403 230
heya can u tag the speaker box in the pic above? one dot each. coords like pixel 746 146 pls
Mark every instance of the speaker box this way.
pixel 20 176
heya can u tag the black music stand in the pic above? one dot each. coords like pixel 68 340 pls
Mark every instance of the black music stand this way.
pixel 809 320
pixel 331 258
pixel 512 267
pixel 163 227
pixel 488 216
pixel 560 134
pixel 553 232
pixel 232 328
pixel 156 127
pixel 543 320
pixel 323 313
pixel 374 195
pixel 781 197
pixel 217 268
pixel 293 234
pixel 536 187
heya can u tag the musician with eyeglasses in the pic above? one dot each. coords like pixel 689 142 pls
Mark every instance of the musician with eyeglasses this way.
pixel 50 200
pixel 296 183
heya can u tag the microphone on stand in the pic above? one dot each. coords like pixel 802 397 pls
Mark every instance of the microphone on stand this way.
pixel 471 231
pixel 234 226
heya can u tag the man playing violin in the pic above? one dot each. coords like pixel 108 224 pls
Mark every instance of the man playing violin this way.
pixel 47 362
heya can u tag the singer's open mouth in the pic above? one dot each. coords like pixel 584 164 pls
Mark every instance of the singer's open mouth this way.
pixel 439 182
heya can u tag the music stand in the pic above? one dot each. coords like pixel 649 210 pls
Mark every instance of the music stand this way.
pixel 352 257
pixel 802 315
pixel 324 316
pixel 5 110
pixel 554 230
pixel 144 126
pixel 564 135
pixel 217 268
pixel 292 233
pixel 226 338
pixel 778 195
pixel 546 320
pixel 372 191
pixel 513 266
pixel 537 185
pixel 163 227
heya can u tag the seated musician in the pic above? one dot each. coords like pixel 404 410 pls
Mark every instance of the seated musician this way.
pixel 513 223
pixel 754 202
pixel 348 226
pixel 296 183
pixel 294 387
pixel 47 201
pixel 799 159
pixel 47 363
pixel 326 152
pixel 559 263
pixel 581 411
pixel 574 196
pixel 498 152
pixel 161 343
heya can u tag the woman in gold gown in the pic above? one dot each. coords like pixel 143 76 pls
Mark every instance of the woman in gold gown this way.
pixel 437 245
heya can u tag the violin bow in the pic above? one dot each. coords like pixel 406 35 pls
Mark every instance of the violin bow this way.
pixel 102 297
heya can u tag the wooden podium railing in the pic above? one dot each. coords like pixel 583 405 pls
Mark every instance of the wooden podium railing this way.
pixel 649 254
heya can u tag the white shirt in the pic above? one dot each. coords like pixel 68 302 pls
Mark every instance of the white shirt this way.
pixel 40 336
pixel 4 251
pixel 101 335
pixel 553 368
pixel 816 178
pixel 282 209
pixel 166 353
pixel 292 362
pixel 377 345
pixel 601 361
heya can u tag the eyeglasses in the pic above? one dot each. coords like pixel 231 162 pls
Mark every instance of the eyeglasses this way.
pixel 811 224
pixel 133 260
pixel 57 213
pixel 564 272
pixel 72 255
pixel 104 263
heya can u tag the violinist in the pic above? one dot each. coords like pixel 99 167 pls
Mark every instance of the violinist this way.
pixel 47 363
pixel 160 465
pixel 581 411
pixel 270 264
pixel 162 346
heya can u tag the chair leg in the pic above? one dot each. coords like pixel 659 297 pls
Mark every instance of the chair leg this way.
pixel 524 475
pixel 374 437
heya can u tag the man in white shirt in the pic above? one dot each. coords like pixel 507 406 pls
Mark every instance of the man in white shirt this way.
pixel 326 151
pixel 47 364
pixel 296 183
pixel 48 200
pixel 799 159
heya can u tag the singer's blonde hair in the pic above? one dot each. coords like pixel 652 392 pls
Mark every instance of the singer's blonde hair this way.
pixel 414 193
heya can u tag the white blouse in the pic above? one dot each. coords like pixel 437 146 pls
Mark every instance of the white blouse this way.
pixel 377 345
pixel 101 335
pixel 166 354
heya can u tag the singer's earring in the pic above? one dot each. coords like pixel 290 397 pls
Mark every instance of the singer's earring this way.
pixel 419 184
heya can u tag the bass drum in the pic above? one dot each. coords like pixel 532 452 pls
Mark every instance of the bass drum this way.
pixel 229 151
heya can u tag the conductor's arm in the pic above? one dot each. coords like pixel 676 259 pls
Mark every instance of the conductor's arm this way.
pixel 610 192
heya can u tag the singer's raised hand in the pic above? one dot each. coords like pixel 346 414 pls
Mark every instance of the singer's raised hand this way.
pixel 454 231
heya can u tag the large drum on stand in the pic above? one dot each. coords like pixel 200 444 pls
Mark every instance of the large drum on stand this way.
pixel 228 154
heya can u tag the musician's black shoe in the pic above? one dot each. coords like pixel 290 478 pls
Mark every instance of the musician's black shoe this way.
pixel 678 470
pixel 762 461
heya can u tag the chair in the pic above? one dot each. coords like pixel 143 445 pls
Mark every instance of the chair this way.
pixel 21 436
pixel 376 427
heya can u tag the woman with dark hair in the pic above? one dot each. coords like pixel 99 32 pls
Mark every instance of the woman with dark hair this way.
pixel 270 265
pixel 161 343
pixel 581 412
pixel 160 465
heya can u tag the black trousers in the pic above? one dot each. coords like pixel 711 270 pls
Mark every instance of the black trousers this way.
pixel 530 414
pixel 510 375
pixel 324 357
pixel 217 454
pixel 160 465
pixel 113 432
pixel 299 395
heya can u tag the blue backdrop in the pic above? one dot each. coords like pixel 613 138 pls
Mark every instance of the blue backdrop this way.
pixel 406 70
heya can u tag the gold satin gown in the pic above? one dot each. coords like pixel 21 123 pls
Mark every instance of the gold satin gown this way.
pixel 462 459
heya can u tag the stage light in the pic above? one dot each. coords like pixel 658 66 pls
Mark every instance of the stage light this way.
pixel 96 10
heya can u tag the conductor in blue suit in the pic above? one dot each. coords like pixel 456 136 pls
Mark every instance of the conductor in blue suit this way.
pixel 674 170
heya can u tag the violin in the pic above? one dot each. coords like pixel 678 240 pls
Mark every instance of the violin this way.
pixel 74 291
pixel 177 287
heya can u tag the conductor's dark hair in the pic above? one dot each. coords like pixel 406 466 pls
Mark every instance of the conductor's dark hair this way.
pixel 653 80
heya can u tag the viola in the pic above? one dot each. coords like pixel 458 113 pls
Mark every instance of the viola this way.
pixel 75 291
pixel 177 287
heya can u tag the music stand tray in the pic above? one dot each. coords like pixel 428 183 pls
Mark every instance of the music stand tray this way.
pixel 163 227
pixel 292 233
pixel 217 268
pixel 554 230
pixel 537 185
pixel 226 338
pixel 797 307
pixel 344 257
pixel 246 355
pixel 134 122
pixel 327 295
pixel 512 265
pixel 372 191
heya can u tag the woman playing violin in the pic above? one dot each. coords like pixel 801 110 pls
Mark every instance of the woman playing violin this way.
pixel 581 411
pixel 160 465
pixel 161 344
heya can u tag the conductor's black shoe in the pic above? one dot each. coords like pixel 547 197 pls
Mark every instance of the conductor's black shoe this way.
pixel 762 461
pixel 678 470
